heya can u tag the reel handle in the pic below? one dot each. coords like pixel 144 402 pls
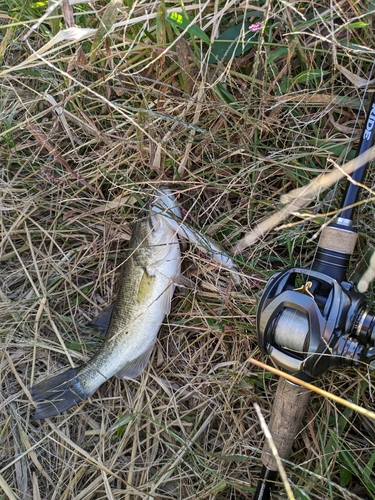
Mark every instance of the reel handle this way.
pixel 288 410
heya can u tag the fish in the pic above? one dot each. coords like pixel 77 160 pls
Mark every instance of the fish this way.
pixel 147 283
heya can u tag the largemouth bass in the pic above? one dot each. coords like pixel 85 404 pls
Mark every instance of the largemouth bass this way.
pixel 146 288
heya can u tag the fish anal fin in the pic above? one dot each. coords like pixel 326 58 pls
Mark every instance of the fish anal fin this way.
pixel 135 368
pixel 57 394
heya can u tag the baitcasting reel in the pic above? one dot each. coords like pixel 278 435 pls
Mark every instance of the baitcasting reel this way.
pixel 308 321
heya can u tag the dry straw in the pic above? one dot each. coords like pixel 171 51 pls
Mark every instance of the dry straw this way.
pixel 301 197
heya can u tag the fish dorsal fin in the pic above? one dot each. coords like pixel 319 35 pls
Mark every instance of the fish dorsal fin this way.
pixel 135 367
pixel 101 321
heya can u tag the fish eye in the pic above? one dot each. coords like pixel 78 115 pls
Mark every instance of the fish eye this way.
pixel 144 213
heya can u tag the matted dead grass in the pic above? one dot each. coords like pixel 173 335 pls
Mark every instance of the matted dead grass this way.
pixel 91 119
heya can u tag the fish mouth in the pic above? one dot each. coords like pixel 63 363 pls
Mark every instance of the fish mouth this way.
pixel 165 203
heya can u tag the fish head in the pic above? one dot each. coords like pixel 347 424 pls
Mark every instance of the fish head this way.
pixel 165 203
pixel 153 239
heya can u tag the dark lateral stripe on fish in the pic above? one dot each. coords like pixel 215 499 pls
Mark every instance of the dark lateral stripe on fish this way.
pixel 57 394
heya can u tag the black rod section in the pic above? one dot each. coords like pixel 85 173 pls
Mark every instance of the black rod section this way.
pixel 264 486
pixel 366 142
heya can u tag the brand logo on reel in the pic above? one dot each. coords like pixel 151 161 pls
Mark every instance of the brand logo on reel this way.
pixel 370 123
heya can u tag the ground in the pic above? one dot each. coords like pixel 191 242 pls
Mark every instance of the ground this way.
pixel 232 105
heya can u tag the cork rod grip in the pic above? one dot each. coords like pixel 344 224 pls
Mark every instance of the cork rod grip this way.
pixel 289 407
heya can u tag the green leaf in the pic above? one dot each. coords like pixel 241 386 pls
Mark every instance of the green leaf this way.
pixel 121 428
pixel 39 4
pixel 77 346
pixel 215 324
pixel 368 471
pixel 106 23
pixel 177 19
pixel 233 42
pixel 279 52
pixel 345 477
pixel 300 494
pixel 308 75
pixel 358 24
pixel 224 95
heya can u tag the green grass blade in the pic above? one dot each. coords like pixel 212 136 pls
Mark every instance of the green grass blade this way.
pixel 178 20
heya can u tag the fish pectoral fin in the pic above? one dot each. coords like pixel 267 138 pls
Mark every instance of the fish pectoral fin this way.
pixel 135 367
pixel 102 320
pixel 57 394
pixel 184 282
pixel 166 298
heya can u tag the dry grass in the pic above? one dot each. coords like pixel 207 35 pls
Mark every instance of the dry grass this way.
pixel 88 127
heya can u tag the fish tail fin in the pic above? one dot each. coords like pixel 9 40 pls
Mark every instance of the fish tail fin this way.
pixel 57 394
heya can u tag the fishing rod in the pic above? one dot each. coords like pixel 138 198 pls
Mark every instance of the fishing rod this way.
pixel 309 320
